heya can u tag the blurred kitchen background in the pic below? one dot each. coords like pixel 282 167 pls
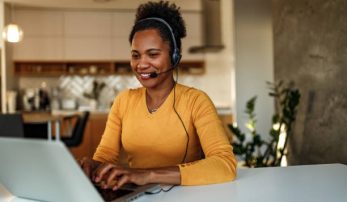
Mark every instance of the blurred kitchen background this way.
pixel 77 51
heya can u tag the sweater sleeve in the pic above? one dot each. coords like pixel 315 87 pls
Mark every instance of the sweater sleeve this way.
pixel 219 164
pixel 109 147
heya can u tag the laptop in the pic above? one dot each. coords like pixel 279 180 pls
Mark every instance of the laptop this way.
pixel 43 170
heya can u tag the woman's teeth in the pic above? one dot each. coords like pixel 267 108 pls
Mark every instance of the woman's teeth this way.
pixel 145 75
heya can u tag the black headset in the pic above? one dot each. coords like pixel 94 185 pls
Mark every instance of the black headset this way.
pixel 176 55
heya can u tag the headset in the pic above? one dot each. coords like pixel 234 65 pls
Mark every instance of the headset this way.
pixel 176 55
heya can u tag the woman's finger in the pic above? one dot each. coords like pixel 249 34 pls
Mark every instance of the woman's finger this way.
pixel 101 171
pixel 125 178
pixel 112 177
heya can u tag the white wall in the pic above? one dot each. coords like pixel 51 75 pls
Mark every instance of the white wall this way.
pixel 254 60
pixel 218 82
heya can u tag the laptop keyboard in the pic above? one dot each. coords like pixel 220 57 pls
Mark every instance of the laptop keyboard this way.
pixel 110 195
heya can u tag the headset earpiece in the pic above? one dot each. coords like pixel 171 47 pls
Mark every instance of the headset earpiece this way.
pixel 176 57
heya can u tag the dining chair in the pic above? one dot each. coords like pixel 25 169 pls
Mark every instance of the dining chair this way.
pixel 11 125
pixel 35 130
pixel 76 137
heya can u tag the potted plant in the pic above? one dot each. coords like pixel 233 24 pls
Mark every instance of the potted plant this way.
pixel 94 94
pixel 256 152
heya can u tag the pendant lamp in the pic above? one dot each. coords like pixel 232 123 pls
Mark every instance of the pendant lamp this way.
pixel 12 32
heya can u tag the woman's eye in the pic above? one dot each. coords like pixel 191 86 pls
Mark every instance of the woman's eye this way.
pixel 135 56
pixel 152 55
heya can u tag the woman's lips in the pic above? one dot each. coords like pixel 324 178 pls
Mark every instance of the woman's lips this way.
pixel 145 76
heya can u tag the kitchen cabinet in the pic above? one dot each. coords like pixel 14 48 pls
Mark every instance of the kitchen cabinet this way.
pixel 65 34
pixel 58 68
pixel 43 34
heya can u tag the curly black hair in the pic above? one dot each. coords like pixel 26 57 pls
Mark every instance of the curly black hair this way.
pixel 166 11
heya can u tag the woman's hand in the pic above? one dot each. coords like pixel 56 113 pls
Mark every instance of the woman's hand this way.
pixel 88 166
pixel 113 176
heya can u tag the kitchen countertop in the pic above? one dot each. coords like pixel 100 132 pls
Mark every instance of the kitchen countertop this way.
pixel 220 111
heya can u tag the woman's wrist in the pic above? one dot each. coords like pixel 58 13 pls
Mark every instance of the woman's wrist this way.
pixel 167 175
pixel 151 173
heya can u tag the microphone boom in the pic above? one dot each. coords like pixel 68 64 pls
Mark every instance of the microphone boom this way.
pixel 155 74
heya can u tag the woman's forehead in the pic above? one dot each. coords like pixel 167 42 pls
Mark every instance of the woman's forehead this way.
pixel 148 37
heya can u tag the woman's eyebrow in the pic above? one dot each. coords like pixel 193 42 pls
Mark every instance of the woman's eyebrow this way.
pixel 148 50
pixel 153 49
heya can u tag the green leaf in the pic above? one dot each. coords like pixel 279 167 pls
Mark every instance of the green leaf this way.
pixel 257 140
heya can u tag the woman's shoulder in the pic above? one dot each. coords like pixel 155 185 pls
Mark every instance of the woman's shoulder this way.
pixel 126 97
pixel 190 93
pixel 130 93
pixel 196 100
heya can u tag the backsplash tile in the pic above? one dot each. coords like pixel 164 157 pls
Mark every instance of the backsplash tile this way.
pixel 73 87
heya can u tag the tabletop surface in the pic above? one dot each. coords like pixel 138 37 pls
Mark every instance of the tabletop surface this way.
pixel 309 183
pixel 316 183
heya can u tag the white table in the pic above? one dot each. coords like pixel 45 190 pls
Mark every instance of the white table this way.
pixel 311 183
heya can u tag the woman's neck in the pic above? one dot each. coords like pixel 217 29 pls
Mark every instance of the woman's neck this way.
pixel 156 97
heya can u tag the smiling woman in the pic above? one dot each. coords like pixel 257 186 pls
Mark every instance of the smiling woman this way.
pixel 170 132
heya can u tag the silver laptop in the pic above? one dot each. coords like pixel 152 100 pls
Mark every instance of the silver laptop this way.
pixel 46 171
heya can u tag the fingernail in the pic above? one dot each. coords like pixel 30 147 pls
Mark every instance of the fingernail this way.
pixel 114 188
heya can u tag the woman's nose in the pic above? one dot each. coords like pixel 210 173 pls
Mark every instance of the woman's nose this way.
pixel 143 63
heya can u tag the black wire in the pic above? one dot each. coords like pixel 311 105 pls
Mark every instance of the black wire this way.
pixel 161 190
pixel 179 117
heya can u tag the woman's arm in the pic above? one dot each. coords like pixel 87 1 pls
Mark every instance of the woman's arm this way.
pixel 219 164
pixel 114 176
pixel 109 147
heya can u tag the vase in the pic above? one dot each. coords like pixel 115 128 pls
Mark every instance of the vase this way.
pixel 93 104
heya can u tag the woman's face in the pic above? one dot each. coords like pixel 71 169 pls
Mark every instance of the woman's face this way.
pixel 149 54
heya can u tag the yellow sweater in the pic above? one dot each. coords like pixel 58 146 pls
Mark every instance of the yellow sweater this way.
pixel 159 139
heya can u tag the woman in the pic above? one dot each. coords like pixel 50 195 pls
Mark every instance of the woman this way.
pixel 163 126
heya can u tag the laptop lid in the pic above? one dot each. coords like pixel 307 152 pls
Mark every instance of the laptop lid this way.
pixel 44 171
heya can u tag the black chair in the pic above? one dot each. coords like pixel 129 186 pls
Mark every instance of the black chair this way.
pixel 11 125
pixel 77 133
pixel 35 130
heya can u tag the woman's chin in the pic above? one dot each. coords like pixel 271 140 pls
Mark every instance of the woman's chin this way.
pixel 147 83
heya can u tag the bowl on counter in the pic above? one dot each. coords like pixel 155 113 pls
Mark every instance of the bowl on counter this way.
pixel 69 104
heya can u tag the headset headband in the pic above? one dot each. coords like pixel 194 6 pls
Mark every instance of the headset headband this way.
pixel 166 24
